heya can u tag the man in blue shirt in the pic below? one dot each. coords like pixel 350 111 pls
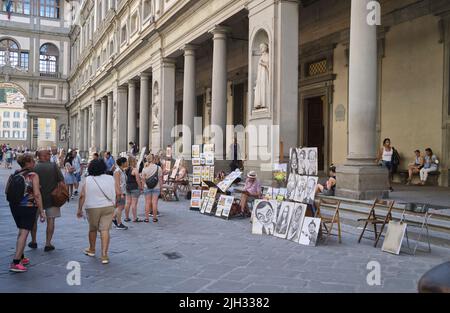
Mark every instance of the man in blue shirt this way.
pixel 109 161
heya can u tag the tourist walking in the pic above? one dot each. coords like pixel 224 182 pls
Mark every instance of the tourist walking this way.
pixel 76 163
pixel 69 174
pixel 134 188
pixel 389 158
pixel 97 197
pixel 49 176
pixel 24 205
pixel 120 183
pixel 110 164
pixel 9 158
pixel 152 181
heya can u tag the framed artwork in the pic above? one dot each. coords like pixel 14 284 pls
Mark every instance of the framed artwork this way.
pixel 196 194
pixel 296 223
pixel 264 217
pixel 212 192
pixel 283 219
pixel 205 194
pixel 282 194
pixel 279 172
pixel 204 205
pixel 227 202
pixel 302 161
pixel 210 206
pixel 208 148
pixel 394 237
pixel 311 161
pixel 310 191
pixel 195 151
pixel 300 188
pixel 196 203
pixel 196 180
pixel 310 231
pixel 196 162
pixel 196 170
pixel 211 172
pixel 269 193
pixel 169 152
pixel 291 187
pixel 167 165
pixel 209 158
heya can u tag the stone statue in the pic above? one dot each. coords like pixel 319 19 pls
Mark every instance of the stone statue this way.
pixel 62 133
pixel 155 108
pixel 262 79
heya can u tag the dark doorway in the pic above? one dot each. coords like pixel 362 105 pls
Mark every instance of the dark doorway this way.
pixel 314 129
pixel 238 108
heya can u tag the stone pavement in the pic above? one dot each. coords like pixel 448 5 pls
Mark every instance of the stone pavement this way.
pixel 190 252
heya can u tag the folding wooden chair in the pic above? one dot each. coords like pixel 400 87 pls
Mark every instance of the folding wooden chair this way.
pixel 327 222
pixel 375 219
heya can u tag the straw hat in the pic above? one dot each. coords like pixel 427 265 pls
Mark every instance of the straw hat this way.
pixel 252 174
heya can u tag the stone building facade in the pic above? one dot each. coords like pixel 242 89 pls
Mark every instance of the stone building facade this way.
pixel 34 59
pixel 138 68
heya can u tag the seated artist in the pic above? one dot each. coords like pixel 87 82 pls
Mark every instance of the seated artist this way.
pixel 329 188
pixel 251 192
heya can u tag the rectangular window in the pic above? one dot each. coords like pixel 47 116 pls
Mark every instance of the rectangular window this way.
pixel 24 57
pixel 16 124
pixel 6 124
pixel 47 64
pixel 16 114
pixel 24 135
pixel 6 114
pixel 5 134
pixel 24 124
pixel 123 34
pixel 16 134
pixel 18 6
pixel 49 8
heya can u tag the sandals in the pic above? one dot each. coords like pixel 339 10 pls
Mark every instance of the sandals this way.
pixel 146 220
pixel 137 221
pixel 155 220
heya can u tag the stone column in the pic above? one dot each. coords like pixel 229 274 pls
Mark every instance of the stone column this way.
pixel 29 131
pixel 103 124
pixel 85 127
pixel 109 123
pixel 131 125
pixel 122 106
pixel 219 88
pixel 189 100
pixel 89 128
pixel 144 111
pixel 360 178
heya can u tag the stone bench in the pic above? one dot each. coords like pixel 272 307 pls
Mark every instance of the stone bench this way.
pixel 433 177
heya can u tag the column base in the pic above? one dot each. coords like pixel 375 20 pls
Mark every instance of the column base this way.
pixel 362 182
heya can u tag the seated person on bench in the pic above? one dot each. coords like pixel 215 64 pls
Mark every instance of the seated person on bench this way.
pixel 330 186
pixel 431 165
pixel 252 191
pixel 414 168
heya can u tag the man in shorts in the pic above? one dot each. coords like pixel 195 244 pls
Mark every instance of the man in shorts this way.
pixel 49 176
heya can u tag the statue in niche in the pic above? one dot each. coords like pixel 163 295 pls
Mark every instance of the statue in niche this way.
pixel 62 133
pixel 262 79
pixel 155 107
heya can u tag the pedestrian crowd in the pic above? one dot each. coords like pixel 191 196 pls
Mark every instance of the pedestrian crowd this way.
pixel 106 190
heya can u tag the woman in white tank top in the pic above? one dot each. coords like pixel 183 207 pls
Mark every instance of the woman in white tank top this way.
pixel 385 157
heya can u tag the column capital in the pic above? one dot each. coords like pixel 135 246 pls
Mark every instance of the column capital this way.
pixel 189 49
pixel 103 99
pixel 145 76
pixel 168 62
pixel 220 32
pixel 131 84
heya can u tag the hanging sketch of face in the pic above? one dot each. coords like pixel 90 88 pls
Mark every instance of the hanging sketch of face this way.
pixel 294 161
pixel 283 220
pixel 310 190
pixel 312 162
pixel 301 187
pixel 296 223
pixel 264 213
pixel 302 162
pixel 292 183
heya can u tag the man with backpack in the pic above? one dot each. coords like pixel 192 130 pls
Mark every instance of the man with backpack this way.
pixel 24 197
pixel 50 176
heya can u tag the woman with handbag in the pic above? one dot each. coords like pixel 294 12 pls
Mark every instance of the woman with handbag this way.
pixel 152 181
pixel 97 196
pixel 134 189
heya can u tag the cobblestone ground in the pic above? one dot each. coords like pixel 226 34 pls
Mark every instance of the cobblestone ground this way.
pixel 215 255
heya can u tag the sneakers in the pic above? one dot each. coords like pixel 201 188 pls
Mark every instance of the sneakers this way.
pixel 75 193
pixel 127 220
pixel 89 252
pixel 25 261
pixel 115 222
pixel 121 227
pixel 105 260
pixel 17 268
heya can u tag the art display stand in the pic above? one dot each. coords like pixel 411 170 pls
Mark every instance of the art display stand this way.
pixel 203 169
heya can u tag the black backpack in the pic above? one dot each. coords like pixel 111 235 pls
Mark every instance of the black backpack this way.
pixel 152 181
pixel 15 188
